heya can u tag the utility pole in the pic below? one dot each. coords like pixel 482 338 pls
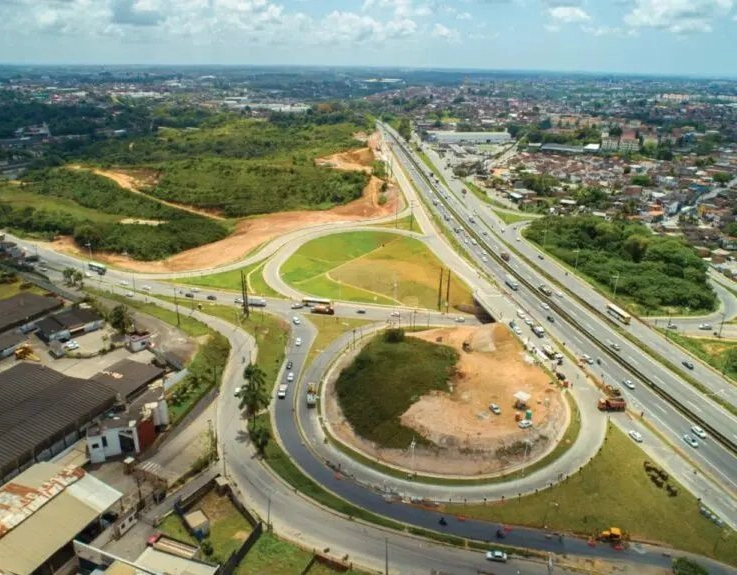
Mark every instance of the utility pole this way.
pixel 411 214
pixel 176 306
pixel 440 291
pixel 244 295
pixel 616 281
pixel 721 327
pixel 386 556
pixel 447 294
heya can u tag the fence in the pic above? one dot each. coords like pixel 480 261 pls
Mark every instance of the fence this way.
pixel 237 556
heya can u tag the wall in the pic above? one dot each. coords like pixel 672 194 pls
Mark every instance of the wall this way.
pixel 101 452
pixel 146 433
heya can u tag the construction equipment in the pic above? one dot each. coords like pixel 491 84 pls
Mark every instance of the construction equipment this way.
pixel 467 346
pixel 612 391
pixel 25 351
pixel 613 535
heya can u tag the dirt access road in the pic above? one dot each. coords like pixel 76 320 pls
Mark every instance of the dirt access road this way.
pixel 465 432
pixel 252 232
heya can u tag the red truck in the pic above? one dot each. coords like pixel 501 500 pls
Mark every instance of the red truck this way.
pixel 612 404
pixel 505 256
pixel 324 309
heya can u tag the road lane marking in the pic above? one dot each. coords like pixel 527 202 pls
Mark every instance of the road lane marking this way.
pixel 655 405
pixel 692 404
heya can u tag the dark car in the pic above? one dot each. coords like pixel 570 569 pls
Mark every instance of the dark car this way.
pixel 189 294
pixel 687 364
pixel 212 297
pixel 361 311
pixel 289 364
pixel 551 319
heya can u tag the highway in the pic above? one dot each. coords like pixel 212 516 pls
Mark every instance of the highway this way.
pixel 585 293
pixel 713 458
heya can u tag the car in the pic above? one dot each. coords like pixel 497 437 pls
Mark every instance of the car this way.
pixel 460 319
pixel 520 314
pixel 551 319
pixel 691 440
pixel 635 435
pixel 586 358
pixel 71 345
pixel 672 326
pixel 146 288
pixel 483 232
pixel 559 293
pixel 212 297
pixel 297 305
pixel 195 290
pixel 290 377
pixel 705 326
pixel 540 257
pixel 529 322
pixel 87 274
pixel 524 424
pixel 615 346
pixel 628 383
pixel 298 341
pixel 484 259
pixel 123 282
pixel 361 311
pixel 498 556
pixel 296 320
pixel 687 363
pixel 395 314
pixel 237 391
pixel 238 300
pixel 289 364
pixel 517 330
pixel 545 306
pixel 696 430
pixel 495 409
pixel 189 294
pixel 517 238
pixel 281 393
pixel 129 294
pixel 512 323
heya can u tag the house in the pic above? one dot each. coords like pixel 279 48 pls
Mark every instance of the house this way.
pixel 9 342
pixel 129 432
pixel 71 322
pixel 128 378
pixel 43 510
pixel 138 341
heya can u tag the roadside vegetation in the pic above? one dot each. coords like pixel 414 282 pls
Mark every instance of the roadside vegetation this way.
pixel 369 390
pixel 372 267
pixel 652 274
pixel 331 328
pixel 231 280
pixel 401 224
pixel 615 489
pixel 509 218
pixel 721 354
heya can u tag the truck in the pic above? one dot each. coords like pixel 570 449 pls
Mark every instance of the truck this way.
pixel 538 331
pixel 548 351
pixel 504 256
pixel 256 302
pixel 511 281
pixel 612 404
pixel 323 309
pixel 311 394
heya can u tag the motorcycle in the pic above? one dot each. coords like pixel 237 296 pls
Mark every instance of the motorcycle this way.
pixel 442 521
pixel 500 534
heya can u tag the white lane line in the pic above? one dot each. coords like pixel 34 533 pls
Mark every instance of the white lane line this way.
pixel 692 404
pixel 656 406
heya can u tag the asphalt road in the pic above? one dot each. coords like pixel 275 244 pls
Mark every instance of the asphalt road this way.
pixel 712 458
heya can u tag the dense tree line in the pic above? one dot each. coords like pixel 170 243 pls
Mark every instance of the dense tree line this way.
pixel 653 271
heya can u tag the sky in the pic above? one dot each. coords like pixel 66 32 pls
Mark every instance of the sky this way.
pixel 681 37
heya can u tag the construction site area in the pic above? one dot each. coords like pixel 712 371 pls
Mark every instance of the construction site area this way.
pixel 502 410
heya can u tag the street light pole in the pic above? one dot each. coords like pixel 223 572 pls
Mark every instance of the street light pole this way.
pixel 616 281
pixel 578 251
pixel 386 556
pixel 721 327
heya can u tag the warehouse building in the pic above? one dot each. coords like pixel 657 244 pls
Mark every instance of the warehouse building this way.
pixel 21 310
pixel 43 412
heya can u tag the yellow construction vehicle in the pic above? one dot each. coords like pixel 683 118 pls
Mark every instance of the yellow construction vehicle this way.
pixel 613 534
pixel 25 351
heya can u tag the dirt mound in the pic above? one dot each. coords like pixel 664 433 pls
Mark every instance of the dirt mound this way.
pixel 355 160
pixel 468 438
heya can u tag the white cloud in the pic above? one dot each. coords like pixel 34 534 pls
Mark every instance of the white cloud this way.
pixel 602 30
pixel 552 28
pixel 677 16
pixel 441 31
pixel 463 16
pixel 568 14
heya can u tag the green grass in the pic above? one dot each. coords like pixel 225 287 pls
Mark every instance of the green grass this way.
pixel 721 354
pixel 428 162
pixel 483 196
pixel 273 556
pixel 22 198
pixel 231 280
pixel 371 267
pixel 613 490
pixel 173 526
pixel 370 396
pixel 10 289
pixel 401 224
pixel 509 219
pixel 331 328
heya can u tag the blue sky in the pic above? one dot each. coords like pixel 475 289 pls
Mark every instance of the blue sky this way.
pixel 628 36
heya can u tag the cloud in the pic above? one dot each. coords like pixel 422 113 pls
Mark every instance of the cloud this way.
pixel 128 12
pixel 602 30
pixel 568 14
pixel 441 31
pixel 677 16
pixel 463 16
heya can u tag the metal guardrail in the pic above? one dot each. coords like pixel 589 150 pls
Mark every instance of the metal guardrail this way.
pixel 702 422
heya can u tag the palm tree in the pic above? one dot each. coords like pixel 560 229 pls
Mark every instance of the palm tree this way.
pixel 254 396
pixel 260 437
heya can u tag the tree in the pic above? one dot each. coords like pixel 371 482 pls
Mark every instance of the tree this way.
pixel 254 396
pixel 721 177
pixel 615 132
pixel 121 319
pixel 260 437
pixel 78 278
pixel 68 274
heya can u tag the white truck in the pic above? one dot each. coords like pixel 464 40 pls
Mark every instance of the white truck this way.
pixel 311 394
pixel 538 331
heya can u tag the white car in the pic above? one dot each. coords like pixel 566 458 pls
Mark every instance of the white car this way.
pixel 146 288
pixel 238 300
pixel 282 391
pixel 517 330
pixel 484 259
pixel 525 424
pixel 520 314
pixel 460 319
pixel 297 305
pixel 394 314
pixel 237 391
pixel 129 294
pixel 71 345
pixel 290 377
pixel 498 556
pixel 697 431
pixel 635 435
pixel 296 320
pixel 195 290
pixel 690 440
pixel 705 326
pixel 87 274
pixel 628 383
pixel 298 341
pixel 529 322
pixel 587 359
pixel 123 282
pixel 495 409
pixel 546 306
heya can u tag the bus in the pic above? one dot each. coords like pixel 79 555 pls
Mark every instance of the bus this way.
pixel 99 268
pixel 618 313
pixel 512 283
pixel 256 302
pixel 310 301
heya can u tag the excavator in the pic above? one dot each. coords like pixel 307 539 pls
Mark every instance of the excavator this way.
pixel 25 351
